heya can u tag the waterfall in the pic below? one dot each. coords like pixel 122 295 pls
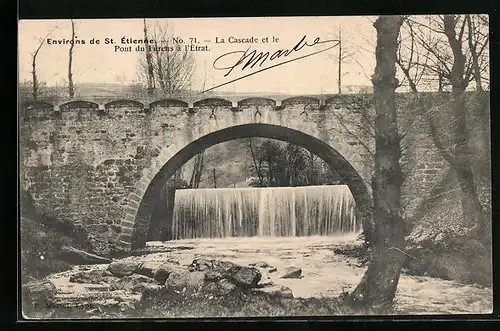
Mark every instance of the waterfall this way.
pixel 270 211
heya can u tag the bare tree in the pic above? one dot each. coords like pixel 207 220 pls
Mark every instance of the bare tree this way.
pixel 340 60
pixel 194 181
pixel 166 65
pixel 256 164
pixel 345 51
pixel 149 63
pixel 455 54
pixel 71 87
pixel 35 82
pixel 378 286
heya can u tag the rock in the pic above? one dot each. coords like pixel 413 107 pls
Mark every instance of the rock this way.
pixel 76 256
pixel 147 287
pixel 107 302
pixel 272 270
pixel 185 281
pixel 123 268
pixel 39 292
pixel 157 271
pixel 212 275
pixel 292 272
pixel 226 287
pixel 439 237
pixel 161 275
pixel 266 283
pixel 90 277
pixel 129 283
pixel 148 269
pixel 200 265
pixel 260 264
pixel 246 277
pixel 448 266
pixel 221 288
pixel 226 268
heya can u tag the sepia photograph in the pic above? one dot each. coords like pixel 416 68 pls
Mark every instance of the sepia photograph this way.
pixel 254 167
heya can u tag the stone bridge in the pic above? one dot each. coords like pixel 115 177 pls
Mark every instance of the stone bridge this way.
pixel 102 164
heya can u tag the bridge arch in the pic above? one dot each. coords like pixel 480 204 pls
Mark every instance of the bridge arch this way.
pixel 135 225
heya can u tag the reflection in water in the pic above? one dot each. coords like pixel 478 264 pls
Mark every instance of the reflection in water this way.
pixel 273 211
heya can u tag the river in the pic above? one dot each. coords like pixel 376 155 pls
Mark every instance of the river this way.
pixel 327 274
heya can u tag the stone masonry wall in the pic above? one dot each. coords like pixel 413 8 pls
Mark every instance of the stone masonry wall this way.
pixel 91 164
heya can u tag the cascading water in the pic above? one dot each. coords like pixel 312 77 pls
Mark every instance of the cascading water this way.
pixel 270 211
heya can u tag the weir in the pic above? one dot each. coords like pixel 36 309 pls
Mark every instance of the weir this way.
pixel 271 211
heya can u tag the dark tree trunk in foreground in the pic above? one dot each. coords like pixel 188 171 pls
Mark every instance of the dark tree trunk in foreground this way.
pixel 71 88
pixel 378 286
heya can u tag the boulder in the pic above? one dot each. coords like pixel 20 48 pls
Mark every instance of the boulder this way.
pixel 90 277
pixel 226 287
pixel 225 268
pixel 147 288
pixel 220 288
pixel 148 269
pixel 76 256
pixel 123 268
pixel 181 281
pixel 246 277
pixel 292 272
pixel 39 292
pixel 161 275
pixel 217 270
pixel 131 283
pixel 157 271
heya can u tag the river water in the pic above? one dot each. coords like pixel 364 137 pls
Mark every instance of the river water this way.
pixel 326 274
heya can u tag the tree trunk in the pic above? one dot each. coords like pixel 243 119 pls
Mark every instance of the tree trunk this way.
pixel 71 88
pixel 474 55
pixel 35 80
pixel 340 61
pixel 254 161
pixel 472 209
pixel 149 62
pixel 378 286
pixel 159 68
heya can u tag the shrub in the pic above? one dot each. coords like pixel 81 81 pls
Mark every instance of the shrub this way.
pixel 41 242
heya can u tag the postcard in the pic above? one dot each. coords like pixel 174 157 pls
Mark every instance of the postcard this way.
pixel 255 167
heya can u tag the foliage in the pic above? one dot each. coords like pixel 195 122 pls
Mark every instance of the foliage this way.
pixel 41 240
pixel 285 164
pixel 240 304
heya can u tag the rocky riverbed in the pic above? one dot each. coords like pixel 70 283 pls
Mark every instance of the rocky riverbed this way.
pixel 290 270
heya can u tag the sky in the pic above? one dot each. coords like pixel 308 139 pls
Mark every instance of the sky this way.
pixel 312 74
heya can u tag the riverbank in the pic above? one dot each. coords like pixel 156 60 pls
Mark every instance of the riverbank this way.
pixel 324 278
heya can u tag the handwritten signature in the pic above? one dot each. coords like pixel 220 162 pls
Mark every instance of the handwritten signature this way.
pixel 249 59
